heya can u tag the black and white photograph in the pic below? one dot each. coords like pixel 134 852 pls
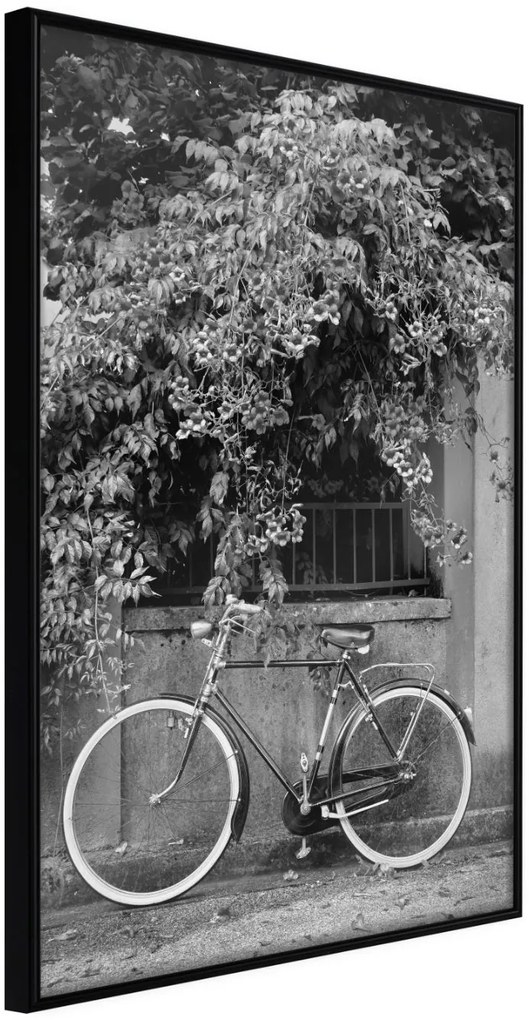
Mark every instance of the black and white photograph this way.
pixel 279 403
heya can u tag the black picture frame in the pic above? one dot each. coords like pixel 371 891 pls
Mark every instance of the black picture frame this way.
pixel 22 509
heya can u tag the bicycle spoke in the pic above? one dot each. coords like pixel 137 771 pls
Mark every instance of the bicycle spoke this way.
pixel 434 740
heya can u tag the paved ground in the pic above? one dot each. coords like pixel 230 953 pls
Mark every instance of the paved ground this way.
pixel 101 943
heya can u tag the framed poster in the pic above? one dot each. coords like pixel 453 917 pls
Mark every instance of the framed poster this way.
pixel 273 328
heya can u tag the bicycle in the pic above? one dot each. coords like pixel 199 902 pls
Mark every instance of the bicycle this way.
pixel 161 788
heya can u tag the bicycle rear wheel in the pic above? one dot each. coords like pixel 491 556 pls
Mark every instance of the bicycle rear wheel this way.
pixel 127 845
pixel 417 815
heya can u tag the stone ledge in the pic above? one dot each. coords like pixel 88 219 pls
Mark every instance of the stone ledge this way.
pixel 170 618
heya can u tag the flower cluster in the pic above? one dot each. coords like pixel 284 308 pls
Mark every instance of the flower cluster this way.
pixel 429 529
pixel 289 149
pixel 213 345
pixel 391 311
pixel 327 308
pixel 276 527
pixel 262 414
pixel 398 343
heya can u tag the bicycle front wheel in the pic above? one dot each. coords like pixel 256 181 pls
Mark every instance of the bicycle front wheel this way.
pixel 410 820
pixel 127 843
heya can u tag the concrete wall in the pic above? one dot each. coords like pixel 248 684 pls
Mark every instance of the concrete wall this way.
pixel 280 705
pixel 494 623
pixel 480 649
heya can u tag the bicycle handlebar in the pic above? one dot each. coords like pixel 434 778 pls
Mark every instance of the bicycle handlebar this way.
pixel 248 609
pixel 234 607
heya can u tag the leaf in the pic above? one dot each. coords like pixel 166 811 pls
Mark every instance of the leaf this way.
pixel 222 914
pixel 65 936
pixel 390 177
pixel 219 487
pixel 359 923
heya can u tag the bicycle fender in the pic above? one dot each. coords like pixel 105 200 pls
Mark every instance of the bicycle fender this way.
pixel 238 818
pixel 392 685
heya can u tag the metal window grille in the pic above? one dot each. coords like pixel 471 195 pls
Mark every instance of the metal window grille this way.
pixel 345 547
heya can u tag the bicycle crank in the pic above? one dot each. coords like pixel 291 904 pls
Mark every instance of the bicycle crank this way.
pixel 326 813
pixel 305 825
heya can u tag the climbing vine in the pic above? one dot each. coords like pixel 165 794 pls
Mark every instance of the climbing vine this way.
pixel 251 269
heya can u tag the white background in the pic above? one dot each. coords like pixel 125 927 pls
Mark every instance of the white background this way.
pixel 472 47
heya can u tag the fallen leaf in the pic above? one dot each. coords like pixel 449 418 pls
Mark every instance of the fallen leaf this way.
pixel 290 876
pixel 222 914
pixel 65 936
pixel 121 848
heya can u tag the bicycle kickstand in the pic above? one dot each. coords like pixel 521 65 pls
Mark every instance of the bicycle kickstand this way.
pixel 304 850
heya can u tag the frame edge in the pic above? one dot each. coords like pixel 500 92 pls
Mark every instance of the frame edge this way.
pixel 21 452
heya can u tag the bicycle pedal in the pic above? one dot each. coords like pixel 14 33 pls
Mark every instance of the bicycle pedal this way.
pixel 303 851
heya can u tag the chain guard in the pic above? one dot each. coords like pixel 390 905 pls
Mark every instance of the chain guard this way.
pixel 305 825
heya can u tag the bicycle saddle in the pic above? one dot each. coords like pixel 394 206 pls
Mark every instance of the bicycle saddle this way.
pixel 348 637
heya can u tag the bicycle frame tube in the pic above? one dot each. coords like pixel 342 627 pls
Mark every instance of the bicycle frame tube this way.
pixel 259 747
pixel 210 688
pixel 256 743
pixel 385 772
pixel 364 698
pixel 326 723
pixel 280 663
